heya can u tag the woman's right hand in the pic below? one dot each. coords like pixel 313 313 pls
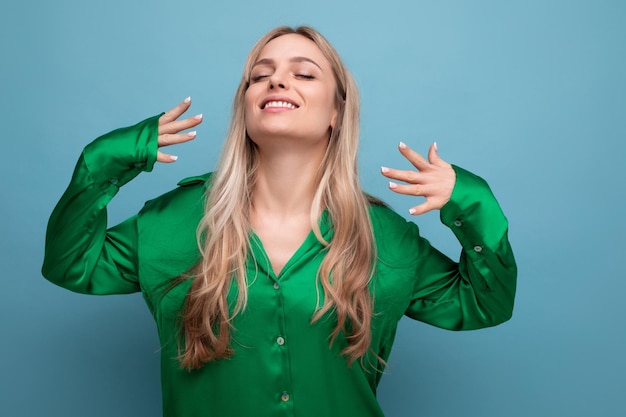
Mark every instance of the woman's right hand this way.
pixel 170 126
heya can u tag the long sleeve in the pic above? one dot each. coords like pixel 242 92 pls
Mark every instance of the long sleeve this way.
pixel 81 254
pixel 479 291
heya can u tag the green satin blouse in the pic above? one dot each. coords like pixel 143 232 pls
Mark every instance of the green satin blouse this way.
pixel 282 365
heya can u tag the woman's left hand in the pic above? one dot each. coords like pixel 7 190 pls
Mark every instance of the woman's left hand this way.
pixel 434 179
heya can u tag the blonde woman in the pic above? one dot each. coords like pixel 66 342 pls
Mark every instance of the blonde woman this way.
pixel 275 282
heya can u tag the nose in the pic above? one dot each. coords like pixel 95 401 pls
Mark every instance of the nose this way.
pixel 278 81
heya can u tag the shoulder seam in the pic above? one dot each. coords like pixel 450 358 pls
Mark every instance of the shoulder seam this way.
pixel 197 179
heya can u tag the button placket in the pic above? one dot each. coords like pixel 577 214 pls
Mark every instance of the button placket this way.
pixel 279 350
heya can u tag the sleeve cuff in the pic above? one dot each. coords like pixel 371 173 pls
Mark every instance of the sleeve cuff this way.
pixel 119 156
pixel 473 213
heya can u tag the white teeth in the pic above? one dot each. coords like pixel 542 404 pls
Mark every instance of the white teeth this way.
pixel 279 104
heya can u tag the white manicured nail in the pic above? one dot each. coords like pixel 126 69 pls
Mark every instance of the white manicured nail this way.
pixel 384 169
pixel 187 100
pixel 192 134
pixel 198 117
pixel 435 144
pixel 402 145
pixel 393 185
pixel 173 158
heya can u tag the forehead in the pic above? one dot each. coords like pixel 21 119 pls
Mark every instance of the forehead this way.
pixel 292 45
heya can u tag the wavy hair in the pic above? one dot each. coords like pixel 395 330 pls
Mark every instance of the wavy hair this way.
pixel 224 231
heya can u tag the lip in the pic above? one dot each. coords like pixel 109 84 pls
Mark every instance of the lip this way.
pixel 277 98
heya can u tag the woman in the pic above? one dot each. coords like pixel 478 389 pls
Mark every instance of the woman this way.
pixel 276 283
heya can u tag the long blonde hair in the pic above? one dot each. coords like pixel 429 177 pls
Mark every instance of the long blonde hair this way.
pixel 224 231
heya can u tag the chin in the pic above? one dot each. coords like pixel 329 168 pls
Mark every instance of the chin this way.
pixel 273 132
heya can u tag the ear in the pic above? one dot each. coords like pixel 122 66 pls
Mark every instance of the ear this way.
pixel 333 119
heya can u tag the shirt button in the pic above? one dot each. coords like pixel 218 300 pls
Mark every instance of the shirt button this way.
pixel 113 181
pixel 285 396
pixel 276 285
pixel 478 249
pixel 280 341
pixel 458 223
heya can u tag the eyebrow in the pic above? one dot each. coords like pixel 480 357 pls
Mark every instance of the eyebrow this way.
pixel 269 61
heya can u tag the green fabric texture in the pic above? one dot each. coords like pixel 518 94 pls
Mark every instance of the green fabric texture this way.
pixel 283 365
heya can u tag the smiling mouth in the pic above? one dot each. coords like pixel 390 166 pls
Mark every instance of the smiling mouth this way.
pixel 279 104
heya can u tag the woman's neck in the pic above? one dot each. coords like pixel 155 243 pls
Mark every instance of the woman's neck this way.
pixel 286 182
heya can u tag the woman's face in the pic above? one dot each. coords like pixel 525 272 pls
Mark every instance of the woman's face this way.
pixel 291 93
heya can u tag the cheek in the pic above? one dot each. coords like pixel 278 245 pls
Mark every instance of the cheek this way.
pixel 324 101
pixel 247 100
pixel 248 105
pixel 330 105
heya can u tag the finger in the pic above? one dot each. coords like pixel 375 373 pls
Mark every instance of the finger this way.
pixel 175 112
pixel 433 156
pixel 417 190
pixel 178 125
pixel 414 158
pixel 166 158
pixel 432 153
pixel 172 139
pixel 420 209
pixel 412 177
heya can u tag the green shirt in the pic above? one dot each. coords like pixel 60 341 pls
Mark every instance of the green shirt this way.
pixel 282 365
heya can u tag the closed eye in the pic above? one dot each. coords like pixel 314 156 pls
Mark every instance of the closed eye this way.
pixel 259 77
pixel 305 76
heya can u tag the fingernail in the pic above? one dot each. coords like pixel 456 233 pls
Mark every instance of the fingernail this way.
pixel 402 145
pixel 384 169
pixel 192 134
pixel 198 117
pixel 173 158
pixel 411 211
pixel 435 144
pixel 393 185
pixel 187 100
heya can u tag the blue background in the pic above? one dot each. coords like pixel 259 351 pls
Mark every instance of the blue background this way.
pixel 530 95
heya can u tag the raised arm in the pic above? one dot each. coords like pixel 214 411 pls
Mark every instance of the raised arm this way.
pixel 479 290
pixel 81 254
